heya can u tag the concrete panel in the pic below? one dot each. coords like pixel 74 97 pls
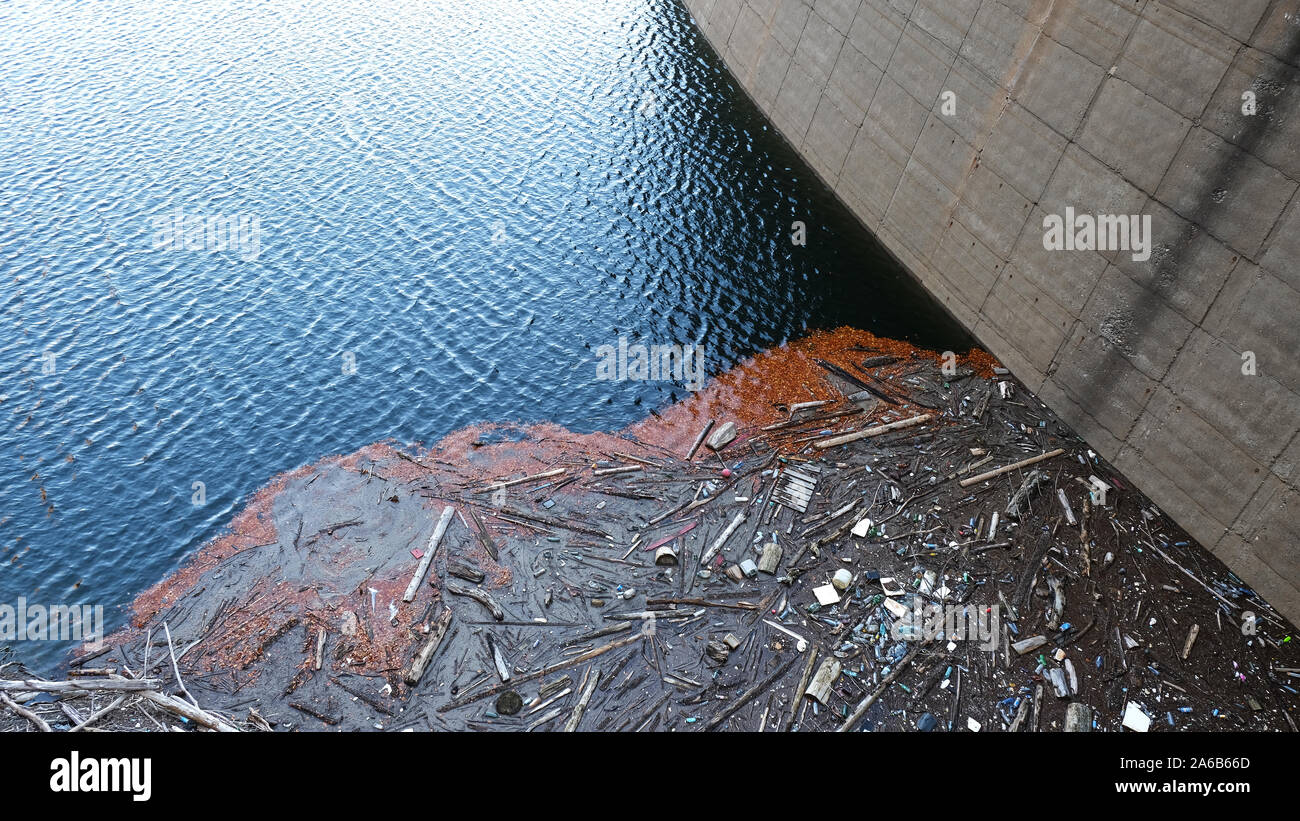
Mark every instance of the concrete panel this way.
pixel 992 210
pixel 1276 87
pixel 766 9
pixel 946 20
pixel 1199 460
pixel 769 73
pixel 1246 409
pixel 1087 426
pixel 819 47
pixel 796 103
pixel 1084 362
pixel 1244 560
pixel 1057 84
pixel 1287 466
pixel 1026 318
pixel 968 267
pixel 839 13
pixel 897 114
pixel 1139 325
pixel 1264 321
pixel 920 64
pixel 1084 183
pixel 788 21
pixel 1095 29
pixel 1270 525
pixel 1236 19
pixel 978 102
pixel 745 43
pixel 1187 267
pixel 830 135
pixel 871 172
pixel 1276 31
pixel 1234 195
pixel 1223 311
pixel 920 209
pixel 853 82
pixel 990 45
pixel 722 19
pixel 1170 497
pixel 876 30
pixel 1133 133
pixel 944 153
pixel 1175 59
pixel 1282 257
pixel 1023 150
pixel 1069 276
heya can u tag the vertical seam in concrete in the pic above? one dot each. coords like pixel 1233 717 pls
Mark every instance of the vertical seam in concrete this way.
pixel 771 117
pixel 1291 483
pixel 1128 37
pixel 1230 528
pixel 1267 242
pixel 798 146
pixel 978 149
pixel 902 32
pixel 821 93
pixel 1009 100
pixel 876 89
pixel 726 41
pixel 858 130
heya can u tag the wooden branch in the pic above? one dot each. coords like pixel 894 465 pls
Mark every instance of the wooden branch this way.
pixel 545 671
pixel 699 440
pixel 416 668
pixel 581 707
pixel 176 670
pixel 438 532
pixel 511 483
pixel 751 693
pixel 25 713
pixel 81 685
pixel 612 471
pixel 803 688
pixel 189 711
pixel 98 714
pixel 479 596
pixel 874 431
pixel 1033 460
pixel 722 539
pixel 866 703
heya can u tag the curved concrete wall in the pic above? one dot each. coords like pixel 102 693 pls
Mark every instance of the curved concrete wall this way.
pixel 1107 107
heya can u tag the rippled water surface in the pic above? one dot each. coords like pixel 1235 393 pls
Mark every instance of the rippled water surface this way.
pixel 463 200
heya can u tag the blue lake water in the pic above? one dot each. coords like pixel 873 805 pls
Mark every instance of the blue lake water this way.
pixel 440 210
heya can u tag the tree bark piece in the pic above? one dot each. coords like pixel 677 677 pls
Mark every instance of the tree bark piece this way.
pixel 415 670
pixel 479 596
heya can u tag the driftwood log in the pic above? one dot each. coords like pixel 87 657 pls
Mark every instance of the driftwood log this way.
pixel 425 654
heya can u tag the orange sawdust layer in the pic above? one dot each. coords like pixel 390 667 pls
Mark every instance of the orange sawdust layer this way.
pixel 754 394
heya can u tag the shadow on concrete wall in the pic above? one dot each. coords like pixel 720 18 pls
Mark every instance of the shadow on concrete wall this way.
pixel 1204 218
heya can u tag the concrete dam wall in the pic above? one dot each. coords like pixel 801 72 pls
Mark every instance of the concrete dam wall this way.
pixel 953 128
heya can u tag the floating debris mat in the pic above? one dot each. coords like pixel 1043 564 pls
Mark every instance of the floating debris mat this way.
pixel 796 487
pixel 951 575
